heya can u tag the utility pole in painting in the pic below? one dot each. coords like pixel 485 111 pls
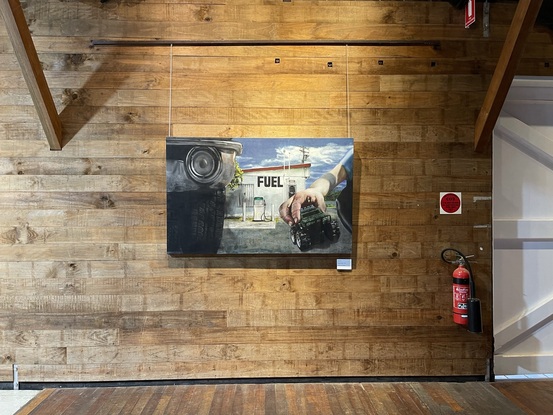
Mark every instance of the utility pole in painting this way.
pixel 305 154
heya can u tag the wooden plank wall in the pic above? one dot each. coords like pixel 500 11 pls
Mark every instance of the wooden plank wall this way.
pixel 87 292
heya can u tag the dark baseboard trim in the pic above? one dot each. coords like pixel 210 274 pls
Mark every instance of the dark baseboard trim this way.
pixel 240 381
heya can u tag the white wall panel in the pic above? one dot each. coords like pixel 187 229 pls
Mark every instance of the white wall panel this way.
pixel 523 230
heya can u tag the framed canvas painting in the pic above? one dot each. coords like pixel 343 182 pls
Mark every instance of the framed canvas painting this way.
pixel 259 196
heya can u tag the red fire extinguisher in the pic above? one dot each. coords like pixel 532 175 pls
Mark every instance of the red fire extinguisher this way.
pixel 466 307
pixel 461 294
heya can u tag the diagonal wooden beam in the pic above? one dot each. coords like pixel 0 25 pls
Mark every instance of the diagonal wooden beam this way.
pixel 522 24
pixel 24 49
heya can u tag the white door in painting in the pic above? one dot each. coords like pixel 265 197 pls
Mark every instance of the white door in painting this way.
pixel 523 229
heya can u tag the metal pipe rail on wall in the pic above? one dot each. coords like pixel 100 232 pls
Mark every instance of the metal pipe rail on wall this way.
pixel 356 42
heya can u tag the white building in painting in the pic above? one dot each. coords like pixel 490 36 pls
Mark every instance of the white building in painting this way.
pixel 263 189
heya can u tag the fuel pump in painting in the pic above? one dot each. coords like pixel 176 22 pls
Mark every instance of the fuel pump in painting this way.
pixel 258 209
pixel 461 293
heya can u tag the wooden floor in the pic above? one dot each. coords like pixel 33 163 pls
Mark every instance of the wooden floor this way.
pixel 530 397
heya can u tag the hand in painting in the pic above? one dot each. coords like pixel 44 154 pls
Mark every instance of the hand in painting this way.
pixel 290 209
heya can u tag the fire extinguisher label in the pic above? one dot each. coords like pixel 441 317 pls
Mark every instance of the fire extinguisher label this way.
pixel 460 296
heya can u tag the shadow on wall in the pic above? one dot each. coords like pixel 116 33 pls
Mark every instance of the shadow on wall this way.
pixel 80 105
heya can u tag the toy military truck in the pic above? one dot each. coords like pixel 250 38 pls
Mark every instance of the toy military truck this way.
pixel 314 228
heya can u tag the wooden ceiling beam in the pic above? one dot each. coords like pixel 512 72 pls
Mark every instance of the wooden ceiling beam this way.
pixel 26 54
pixel 522 24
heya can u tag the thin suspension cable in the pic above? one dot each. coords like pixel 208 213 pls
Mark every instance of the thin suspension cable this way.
pixel 170 89
pixel 347 93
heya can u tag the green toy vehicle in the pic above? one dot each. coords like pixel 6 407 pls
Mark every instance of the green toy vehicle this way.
pixel 314 228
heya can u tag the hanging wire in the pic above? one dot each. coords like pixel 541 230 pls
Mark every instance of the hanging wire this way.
pixel 170 89
pixel 347 92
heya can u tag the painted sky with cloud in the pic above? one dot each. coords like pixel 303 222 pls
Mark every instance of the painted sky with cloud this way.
pixel 323 153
